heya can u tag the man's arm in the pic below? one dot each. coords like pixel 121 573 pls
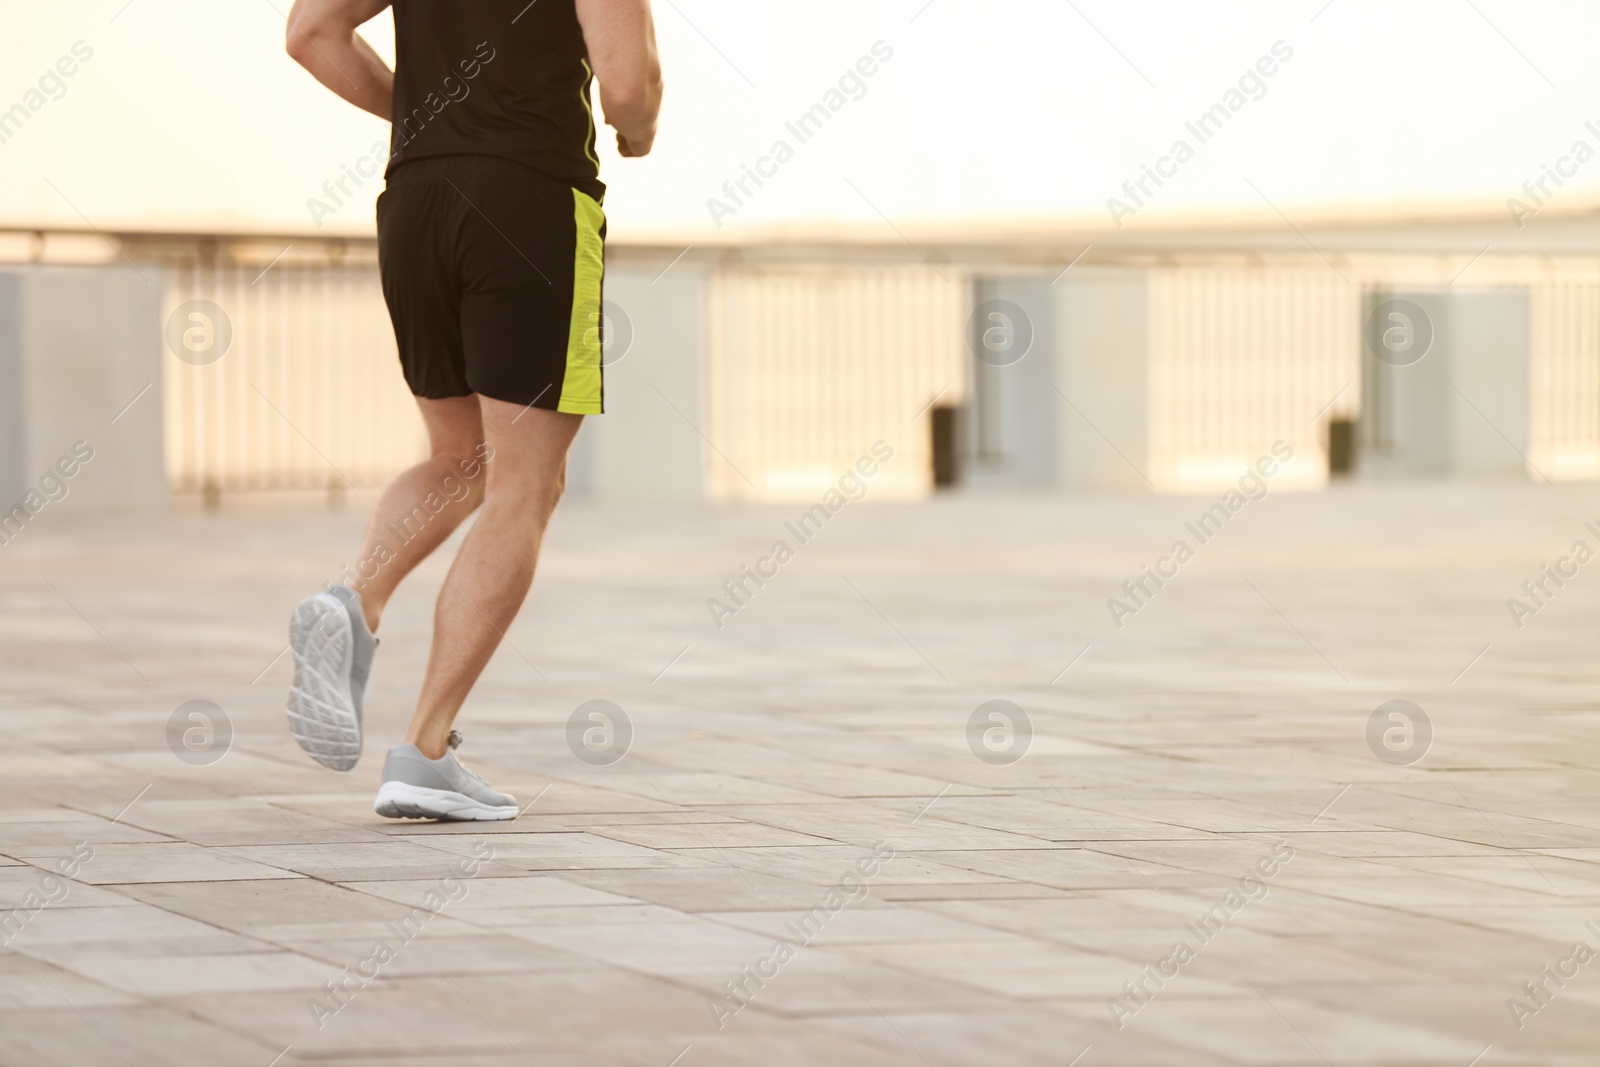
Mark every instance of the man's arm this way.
pixel 621 38
pixel 322 38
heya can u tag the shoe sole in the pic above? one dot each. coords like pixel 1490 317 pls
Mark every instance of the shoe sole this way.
pixel 397 800
pixel 322 710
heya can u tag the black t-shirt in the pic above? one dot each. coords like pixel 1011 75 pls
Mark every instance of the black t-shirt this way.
pixel 505 78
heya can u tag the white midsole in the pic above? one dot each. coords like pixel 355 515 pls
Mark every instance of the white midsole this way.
pixel 439 803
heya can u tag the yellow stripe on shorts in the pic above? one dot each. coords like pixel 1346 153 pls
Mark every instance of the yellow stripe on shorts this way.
pixel 581 390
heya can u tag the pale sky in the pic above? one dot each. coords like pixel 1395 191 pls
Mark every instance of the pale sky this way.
pixel 188 115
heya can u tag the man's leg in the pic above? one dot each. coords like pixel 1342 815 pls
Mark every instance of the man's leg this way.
pixel 494 569
pixel 423 506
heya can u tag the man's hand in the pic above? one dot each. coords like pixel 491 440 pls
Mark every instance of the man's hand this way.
pixel 621 39
pixel 632 148
pixel 322 38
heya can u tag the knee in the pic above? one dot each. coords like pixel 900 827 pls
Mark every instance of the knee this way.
pixel 553 489
pixel 465 456
pixel 465 470
pixel 536 496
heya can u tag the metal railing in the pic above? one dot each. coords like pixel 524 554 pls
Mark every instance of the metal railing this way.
pixel 308 394
pixel 809 361
pixel 808 367
pixel 1241 357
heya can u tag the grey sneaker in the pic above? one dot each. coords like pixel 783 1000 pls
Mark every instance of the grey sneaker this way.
pixel 333 652
pixel 416 787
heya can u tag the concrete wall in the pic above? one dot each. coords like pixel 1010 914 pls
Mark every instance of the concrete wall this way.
pixel 77 345
pixel 1102 366
pixel 1074 412
pixel 1406 410
pixel 1490 360
pixel 13 401
pixel 1012 426
pixel 647 446
pixel 1463 409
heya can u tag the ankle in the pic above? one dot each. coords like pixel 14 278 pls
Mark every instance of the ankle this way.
pixel 434 746
pixel 371 608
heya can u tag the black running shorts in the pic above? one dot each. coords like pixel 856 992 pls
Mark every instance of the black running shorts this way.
pixel 493 273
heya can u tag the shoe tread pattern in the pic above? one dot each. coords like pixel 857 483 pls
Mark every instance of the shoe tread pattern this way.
pixel 322 714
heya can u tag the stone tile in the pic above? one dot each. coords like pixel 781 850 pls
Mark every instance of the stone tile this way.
pixel 1074 868
pixel 1067 914
pixel 712 790
pixel 19 881
pixel 796 1045
pixel 24 832
pixel 386 860
pixel 529 892
pixel 160 975
pixel 163 861
pixel 243 821
pixel 708 835
pixel 567 852
pixel 29 983
pixel 606 914
pixel 145 1034
pixel 967 891
pixel 702 888
pixel 1286 1028
pixel 1016 969
pixel 536 822
pixel 985 1034
pixel 818 983
pixel 434 950
pixel 472 1015
pixel 242 905
pixel 655 948
pixel 827 866
pixel 857 924
pixel 132 923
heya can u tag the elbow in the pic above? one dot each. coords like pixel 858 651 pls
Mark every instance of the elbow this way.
pixel 296 45
pixel 633 101
pixel 299 40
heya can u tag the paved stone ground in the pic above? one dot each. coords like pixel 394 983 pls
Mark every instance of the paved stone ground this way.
pixel 1391 912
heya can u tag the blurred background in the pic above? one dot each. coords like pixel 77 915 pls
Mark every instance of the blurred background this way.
pixel 1041 249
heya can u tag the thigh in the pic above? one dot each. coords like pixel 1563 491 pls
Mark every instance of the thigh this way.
pixel 533 273
pixel 420 283
pixel 455 425
pixel 527 446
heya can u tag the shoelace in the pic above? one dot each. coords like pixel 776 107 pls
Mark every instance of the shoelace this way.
pixel 455 742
